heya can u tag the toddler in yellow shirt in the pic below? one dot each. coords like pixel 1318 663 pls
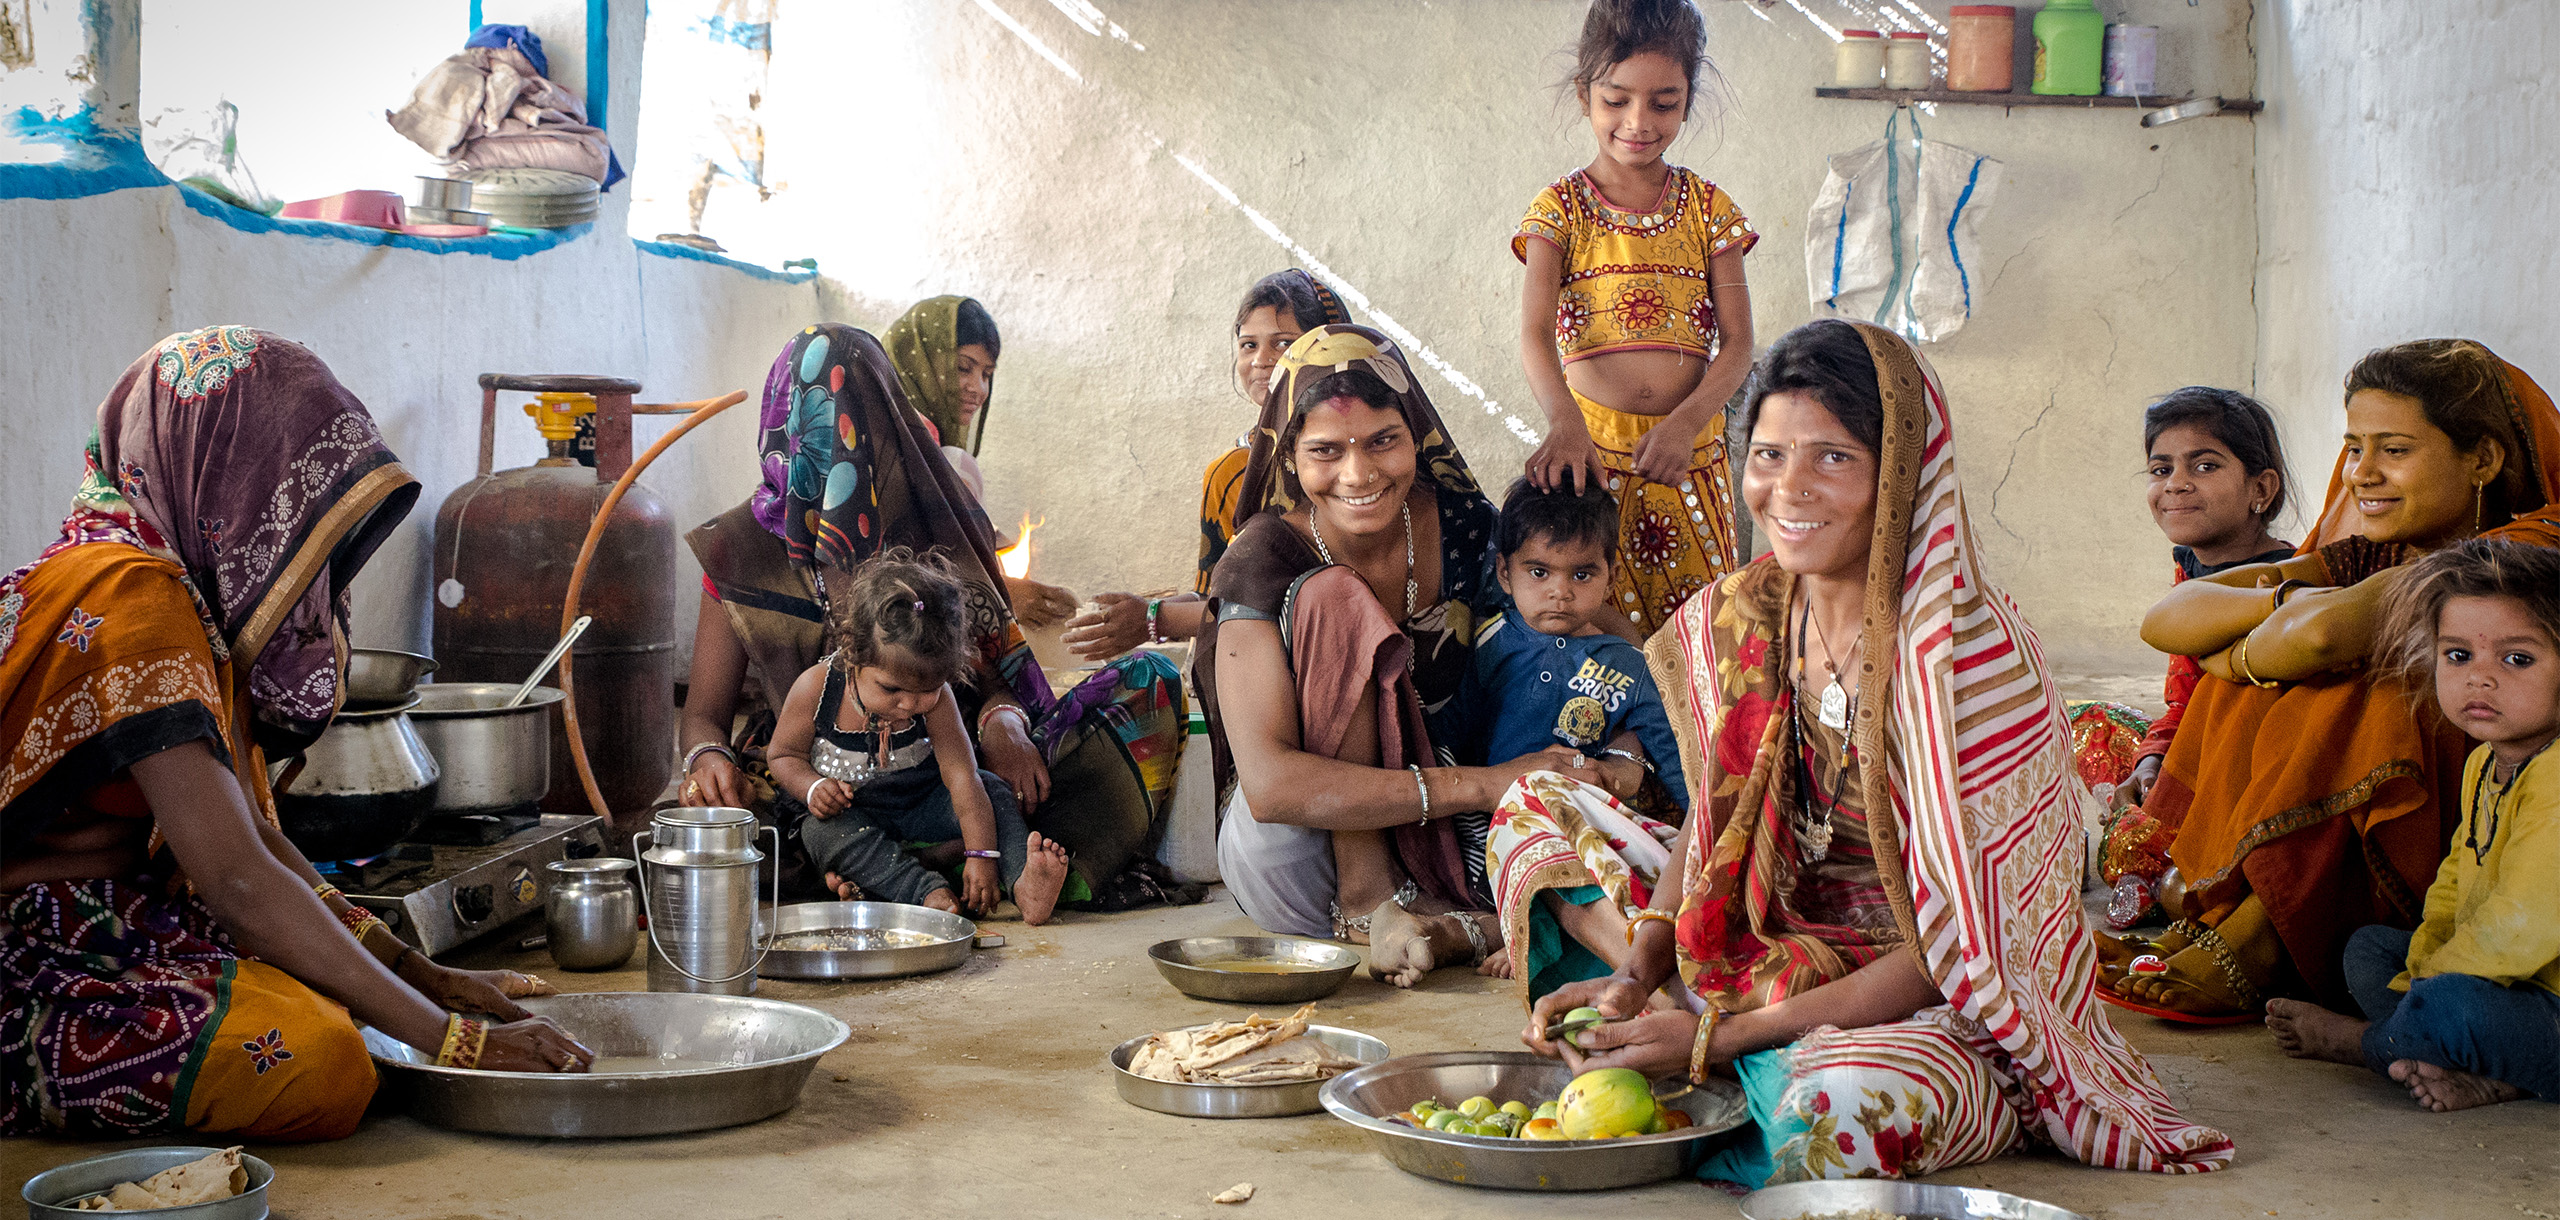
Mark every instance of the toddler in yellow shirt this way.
pixel 2466 1010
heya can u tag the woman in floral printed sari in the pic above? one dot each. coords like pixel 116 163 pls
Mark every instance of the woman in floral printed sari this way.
pixel 849 468
pixel 1873 917
pixel 169 960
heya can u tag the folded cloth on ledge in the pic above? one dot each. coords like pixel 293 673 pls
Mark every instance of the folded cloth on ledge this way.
pixel 488 108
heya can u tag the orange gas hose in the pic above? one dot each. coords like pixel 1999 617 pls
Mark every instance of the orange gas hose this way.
pixel 703 410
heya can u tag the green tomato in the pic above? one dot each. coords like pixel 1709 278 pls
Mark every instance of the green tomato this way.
pixel 1444 1120
pixel 1546 1109
pixel 1426 1108
pixel 1517 1109
pixel 1583 1014
pixel 1477 1106
pixel 1487 1130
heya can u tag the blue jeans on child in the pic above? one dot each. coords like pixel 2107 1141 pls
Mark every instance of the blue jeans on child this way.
pixel 865 844
pixel 2458 1021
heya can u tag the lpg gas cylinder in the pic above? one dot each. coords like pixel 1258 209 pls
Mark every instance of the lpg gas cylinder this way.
pixel 504 547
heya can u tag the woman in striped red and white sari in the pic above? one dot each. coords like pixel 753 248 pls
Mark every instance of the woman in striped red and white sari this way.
pixel 1873 917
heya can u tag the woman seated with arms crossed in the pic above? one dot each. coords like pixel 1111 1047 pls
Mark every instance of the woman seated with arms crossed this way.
pixel 850 469
pixel 2309 797
pixel 1872 916
pixel 1278 308
pixel 1345 608
pixel 170 961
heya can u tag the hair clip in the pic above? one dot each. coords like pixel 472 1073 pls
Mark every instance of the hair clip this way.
pixel 917 605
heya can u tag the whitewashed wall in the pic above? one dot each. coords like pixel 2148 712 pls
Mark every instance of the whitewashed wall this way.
pixel 88 284
pixel 1075 186
pixel 2407 165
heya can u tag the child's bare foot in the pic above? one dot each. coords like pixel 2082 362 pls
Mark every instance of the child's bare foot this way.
pixel 1498 965
pixel 941 900
pixel 1044 875
pixel 845 891
pixel 2445 1090
pixel 2308 1031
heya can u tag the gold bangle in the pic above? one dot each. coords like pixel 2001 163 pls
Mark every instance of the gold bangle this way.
pixel 1641 918
pixel 464 1039
pixel 1707 1023
pixel 2240 661
pixel 367 935
pixel 327 891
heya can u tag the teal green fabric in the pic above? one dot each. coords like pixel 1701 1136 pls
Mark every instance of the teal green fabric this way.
pixel 1555 959
pixel 1747 1162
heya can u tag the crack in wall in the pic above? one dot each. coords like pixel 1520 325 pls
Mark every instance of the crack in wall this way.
pixel 2156 180
pixel 2052 398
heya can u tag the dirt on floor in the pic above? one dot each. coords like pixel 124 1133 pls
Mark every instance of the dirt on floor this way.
pixel 983 1092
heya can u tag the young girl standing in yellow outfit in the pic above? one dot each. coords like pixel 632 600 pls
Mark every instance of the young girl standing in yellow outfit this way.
pixel 1635 322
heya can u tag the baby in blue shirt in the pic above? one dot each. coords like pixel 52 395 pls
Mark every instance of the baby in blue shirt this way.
pixel 1544 674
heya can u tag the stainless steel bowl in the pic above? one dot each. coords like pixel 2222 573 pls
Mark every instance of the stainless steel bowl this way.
pixel 494 758
pixel 1365 1098
pixel 1815 1200
pixel 764 1050
pixel 48 1194
pixel 1237 1100
pixel 949 947
pixel 1187 964
pixel 384 675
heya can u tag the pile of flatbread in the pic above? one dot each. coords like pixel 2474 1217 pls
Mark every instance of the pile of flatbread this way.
pixel 220 1176
pixel 1256 1050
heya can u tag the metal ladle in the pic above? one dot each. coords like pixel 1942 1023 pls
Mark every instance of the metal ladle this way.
pixel 558 650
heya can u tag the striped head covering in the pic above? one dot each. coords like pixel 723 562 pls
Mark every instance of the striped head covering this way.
pixel 1979 847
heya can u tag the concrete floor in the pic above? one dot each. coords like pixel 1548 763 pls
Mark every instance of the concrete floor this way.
pixel 981 1092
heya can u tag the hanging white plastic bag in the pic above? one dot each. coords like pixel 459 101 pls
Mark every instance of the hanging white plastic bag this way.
pixel 1890 239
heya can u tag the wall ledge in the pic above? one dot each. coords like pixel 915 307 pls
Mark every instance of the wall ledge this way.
pixel 669 249
pixel 495 245
pixel 70 157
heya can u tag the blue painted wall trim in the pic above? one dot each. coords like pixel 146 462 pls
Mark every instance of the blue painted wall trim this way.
pixel 599 65
pixel 495 245
pixel 94 160
pixel 476 23
pixel 668 249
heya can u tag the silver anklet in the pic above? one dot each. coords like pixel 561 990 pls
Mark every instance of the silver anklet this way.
pixel 1342 926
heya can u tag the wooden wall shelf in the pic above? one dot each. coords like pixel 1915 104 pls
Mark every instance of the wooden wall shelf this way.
pixel 1904 97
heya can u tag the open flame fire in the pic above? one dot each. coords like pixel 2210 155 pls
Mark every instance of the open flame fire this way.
pixel 1016 559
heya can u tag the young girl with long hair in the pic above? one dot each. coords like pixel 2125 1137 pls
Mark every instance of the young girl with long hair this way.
pixel 1635 320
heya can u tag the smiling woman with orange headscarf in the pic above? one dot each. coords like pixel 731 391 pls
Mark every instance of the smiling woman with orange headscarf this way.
pixel 2309 798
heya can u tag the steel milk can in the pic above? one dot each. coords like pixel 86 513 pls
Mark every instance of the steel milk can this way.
pixel 699 869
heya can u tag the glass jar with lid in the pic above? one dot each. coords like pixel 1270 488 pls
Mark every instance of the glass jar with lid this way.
pixel 1858 62
pixel 1906 61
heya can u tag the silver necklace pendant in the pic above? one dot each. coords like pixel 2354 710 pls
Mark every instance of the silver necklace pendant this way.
pixel 1834 713
pixel 1816 837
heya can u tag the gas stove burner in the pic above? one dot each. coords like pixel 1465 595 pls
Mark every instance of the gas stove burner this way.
pixel 403 861
pixel 438 895
pixel 476 829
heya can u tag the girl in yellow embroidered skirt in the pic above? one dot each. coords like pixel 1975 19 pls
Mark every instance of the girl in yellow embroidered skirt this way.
pixel 1635 321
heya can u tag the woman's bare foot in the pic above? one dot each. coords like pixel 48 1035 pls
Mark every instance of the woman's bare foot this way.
pixel 1044 875
pixel 2445 1090
pixel 941 900
pixel 1497 965
pixel 2194 985
pixel 2308 1031
pixel 1399 945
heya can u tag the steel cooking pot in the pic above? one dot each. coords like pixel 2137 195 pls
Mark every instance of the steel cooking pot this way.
pixel 494 758
pixel 363 786
pixel 380 676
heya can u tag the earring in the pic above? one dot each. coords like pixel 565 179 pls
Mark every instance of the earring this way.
pixel 2257 509
pixel 2479 498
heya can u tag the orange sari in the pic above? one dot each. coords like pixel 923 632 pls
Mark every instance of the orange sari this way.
pixel 2328 799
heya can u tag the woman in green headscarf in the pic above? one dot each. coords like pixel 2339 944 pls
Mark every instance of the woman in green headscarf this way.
pixel 945 350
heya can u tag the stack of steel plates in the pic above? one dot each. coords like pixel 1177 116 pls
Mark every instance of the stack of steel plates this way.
pixel 534 198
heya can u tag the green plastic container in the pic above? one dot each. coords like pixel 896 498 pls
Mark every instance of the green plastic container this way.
pixel 2071 40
